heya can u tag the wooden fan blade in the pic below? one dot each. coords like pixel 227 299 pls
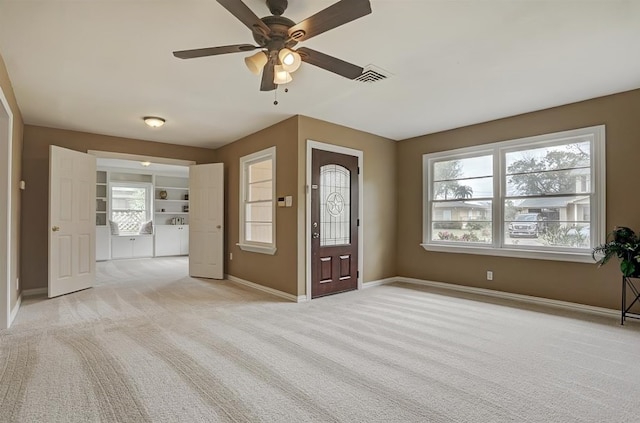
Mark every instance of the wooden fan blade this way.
pixel 333 16
pixel 268 72
pixel 330 63
pixel 246 16
pixel 213 51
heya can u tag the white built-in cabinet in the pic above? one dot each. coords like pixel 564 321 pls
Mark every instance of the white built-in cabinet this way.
pixel 131 246
pixel 170 218
pixel 172 240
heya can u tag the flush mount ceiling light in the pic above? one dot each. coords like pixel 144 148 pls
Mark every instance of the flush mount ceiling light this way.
pixel 145 163
pixel 154 122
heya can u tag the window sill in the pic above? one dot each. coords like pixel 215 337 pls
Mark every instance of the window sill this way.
pixel 257 248
pixel 516 253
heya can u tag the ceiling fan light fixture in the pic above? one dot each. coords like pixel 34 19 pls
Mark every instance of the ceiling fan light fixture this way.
pixel 281 76
pixel 153 121
pixel 290 60
pixel 256 62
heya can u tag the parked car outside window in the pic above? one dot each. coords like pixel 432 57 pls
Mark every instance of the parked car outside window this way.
pixel 527 224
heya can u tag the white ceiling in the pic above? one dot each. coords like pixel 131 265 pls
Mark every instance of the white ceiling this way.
pixel 101 65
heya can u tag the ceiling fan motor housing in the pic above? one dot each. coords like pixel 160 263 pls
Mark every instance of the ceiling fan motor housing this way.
pixel 277 7
pixel 279 34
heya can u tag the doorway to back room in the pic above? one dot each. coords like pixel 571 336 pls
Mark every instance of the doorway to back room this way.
pixel 142 209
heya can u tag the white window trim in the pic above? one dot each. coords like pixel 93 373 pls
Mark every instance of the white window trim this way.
pixel 245 161
pixel 498 149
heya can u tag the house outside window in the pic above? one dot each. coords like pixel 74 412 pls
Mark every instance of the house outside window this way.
pixel 130 206
pixel 538 197
pixel 258 201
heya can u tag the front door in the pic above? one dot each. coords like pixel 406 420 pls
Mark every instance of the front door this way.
pixel 72 221
pixel 334 223
pixel 206 218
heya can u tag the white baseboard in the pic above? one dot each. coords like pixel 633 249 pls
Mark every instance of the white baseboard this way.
pixel 510 296
pixel 379 282
pixel 14 311
pixel 448 286
pixel 34 292
pixel 285 295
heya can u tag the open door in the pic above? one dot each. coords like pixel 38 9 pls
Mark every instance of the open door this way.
pixel 206 221
pixel 72 226
pixel 6 135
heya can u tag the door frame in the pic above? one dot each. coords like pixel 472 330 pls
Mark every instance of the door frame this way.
pixel 6 160
pixel 307 239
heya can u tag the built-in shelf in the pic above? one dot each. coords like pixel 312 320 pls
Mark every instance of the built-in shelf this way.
pixel 176 193
pixel 179 188
pixel 101 198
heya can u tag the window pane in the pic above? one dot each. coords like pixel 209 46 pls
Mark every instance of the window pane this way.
pixel 557 157
pixel 463 178
pixel 572 181
pixel 335 205
pixel 548 222
pixel 259 212
pixel 129 207
pixel 260 171
pixel 463 188
pixel 461 221
pixel 539 170
pixel 260 191
pixel 472 167
pixel 259 232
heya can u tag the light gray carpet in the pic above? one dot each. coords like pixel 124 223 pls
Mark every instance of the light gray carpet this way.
pixel 150 344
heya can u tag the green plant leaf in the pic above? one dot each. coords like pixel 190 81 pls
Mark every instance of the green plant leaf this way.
pixel 627 267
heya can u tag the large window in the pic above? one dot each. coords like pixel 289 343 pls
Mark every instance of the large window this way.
pixel 130 206
pixel 257 202
pixel 538 197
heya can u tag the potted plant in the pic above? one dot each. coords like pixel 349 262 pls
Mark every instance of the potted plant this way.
pixel 624 244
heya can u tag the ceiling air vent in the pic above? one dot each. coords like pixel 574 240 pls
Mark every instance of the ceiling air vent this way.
pixel 373 73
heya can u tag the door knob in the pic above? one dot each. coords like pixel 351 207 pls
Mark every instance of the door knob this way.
pixel 55 228
pixel 218 227
pixel 316 235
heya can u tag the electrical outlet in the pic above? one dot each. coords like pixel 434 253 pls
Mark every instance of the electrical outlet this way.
pixel 489 275
pixel 230 256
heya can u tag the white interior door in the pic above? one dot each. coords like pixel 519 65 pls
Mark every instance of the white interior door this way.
pixel 206 221
pixel 6 257
pixel 72 224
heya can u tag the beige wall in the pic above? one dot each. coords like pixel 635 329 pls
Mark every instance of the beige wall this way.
pixel 285 271
pixel 575 282
pixel 36 174
pixel 16 167
pixel 379 208
pixel 277 271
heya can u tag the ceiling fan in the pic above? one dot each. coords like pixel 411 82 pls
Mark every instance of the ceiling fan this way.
pixel 276 36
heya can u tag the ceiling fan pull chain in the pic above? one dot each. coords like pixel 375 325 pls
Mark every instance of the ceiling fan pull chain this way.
pixel 275 96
